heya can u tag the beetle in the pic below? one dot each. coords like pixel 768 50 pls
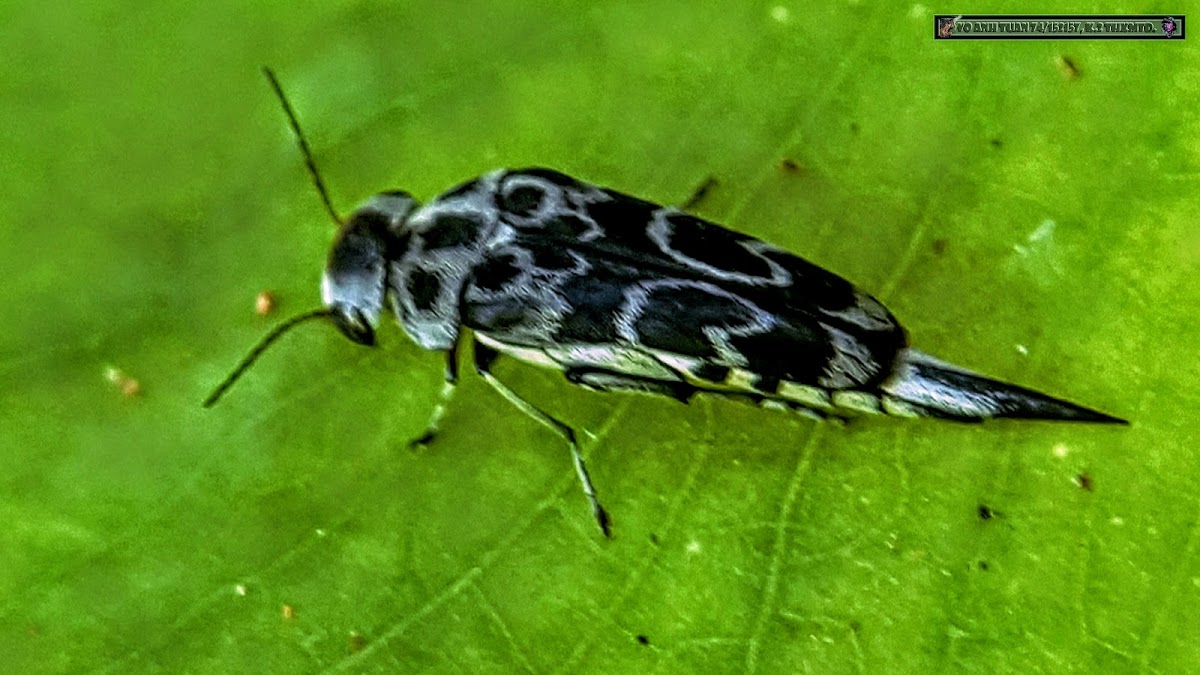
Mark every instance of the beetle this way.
pixel 622 294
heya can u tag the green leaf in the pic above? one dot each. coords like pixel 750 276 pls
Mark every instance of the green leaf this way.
pixel 1032 224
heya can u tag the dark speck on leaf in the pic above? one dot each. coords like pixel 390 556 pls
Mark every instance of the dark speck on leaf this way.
pixel 699 194
pixel 985 512
pixel 643 640
pixel 939 246
pixel 983 565
pixel 997 143
pixel 790 165
pixel 1084 481
pixel 1068 67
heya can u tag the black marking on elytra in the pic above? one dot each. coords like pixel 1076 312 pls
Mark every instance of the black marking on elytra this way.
pixel 596 302
pixel 715 246
pixel 670 316
pixel 625 220
pixel 566 226
pixel 811 285
pixel 451 229
pixel 497 272
pixel 523 200
pixel 792 352
pixel 554 259
pixel 424 287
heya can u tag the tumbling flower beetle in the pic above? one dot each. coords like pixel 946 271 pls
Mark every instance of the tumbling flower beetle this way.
pixel 623 294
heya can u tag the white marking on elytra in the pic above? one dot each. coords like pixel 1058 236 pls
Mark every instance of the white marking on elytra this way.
pixel 553 199
pixel 661 231
pixel 631 309
pixel 865 313
pixel 719 337
pixel 851 363
pixel 557 201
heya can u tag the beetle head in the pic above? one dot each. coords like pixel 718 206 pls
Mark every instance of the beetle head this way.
pixel 355 281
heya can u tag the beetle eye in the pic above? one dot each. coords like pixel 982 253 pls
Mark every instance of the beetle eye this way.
pixel 354 325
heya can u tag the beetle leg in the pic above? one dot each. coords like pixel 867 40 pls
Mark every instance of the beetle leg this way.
pixel 484 358
pixel 448 388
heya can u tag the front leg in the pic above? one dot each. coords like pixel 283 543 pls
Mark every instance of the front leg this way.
pixel 448 388
pixel 484 358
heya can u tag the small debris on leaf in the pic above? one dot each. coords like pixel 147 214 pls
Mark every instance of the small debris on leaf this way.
pixel 264 303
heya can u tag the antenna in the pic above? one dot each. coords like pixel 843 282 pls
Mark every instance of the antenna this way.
pixel 258 350
pixel 304 149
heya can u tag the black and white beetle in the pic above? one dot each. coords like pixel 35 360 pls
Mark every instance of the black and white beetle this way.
pixel 622 294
